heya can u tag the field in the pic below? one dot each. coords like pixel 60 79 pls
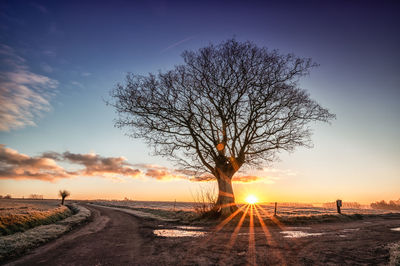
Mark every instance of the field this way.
pixel 286 212
pixel 18 215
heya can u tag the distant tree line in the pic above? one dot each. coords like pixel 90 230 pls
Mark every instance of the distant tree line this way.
pixel 383 205
pixel 36 196
pixel 350 205
pixel 8 196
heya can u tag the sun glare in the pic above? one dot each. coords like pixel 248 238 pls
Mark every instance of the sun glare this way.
pixel 251 199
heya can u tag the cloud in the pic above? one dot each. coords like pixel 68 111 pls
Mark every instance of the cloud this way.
pixel 49 52
pixel 246 178
pixel 77 84
pixel 46 68
pixel 158 174
pixel 202 178
pixel 162 173
pixel 86 74
pixel 14 165
pixel 96 165
pixel 24 95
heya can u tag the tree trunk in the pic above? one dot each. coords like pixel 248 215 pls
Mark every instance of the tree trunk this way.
pixel 226 199
pixel 62 201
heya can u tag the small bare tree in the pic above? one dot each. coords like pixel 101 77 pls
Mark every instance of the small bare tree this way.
pixel 63 194
pixel 228 105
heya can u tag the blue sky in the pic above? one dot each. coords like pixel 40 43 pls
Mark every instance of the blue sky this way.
pixel 70 54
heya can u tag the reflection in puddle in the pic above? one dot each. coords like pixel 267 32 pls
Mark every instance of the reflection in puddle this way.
pixel 351 229
pixel 245 234
pixel 396 229
pixel 296 234
pixel 178 233
pixel 295 228
pixel 188 227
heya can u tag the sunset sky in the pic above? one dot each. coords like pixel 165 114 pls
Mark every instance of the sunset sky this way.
pixel 59 60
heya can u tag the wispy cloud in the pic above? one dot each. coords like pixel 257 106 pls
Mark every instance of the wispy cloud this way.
pixel 78 84
pixel 177 44
pixel 24 95
pixel 86 74
pixel 46 68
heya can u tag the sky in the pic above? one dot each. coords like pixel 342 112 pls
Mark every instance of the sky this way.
pixel 60 59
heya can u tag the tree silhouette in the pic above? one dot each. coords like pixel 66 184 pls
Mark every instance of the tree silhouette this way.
pixel 63 194
pixel 228 105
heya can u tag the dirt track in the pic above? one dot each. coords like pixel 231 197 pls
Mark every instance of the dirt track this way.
pixel 118 238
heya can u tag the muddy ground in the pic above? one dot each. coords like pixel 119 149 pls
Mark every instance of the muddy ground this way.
pixel 117 238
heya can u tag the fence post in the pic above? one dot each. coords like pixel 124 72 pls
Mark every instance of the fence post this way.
pixel 275 209
pixel 338 205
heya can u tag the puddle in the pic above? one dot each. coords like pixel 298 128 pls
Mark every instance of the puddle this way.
pixel 297 234
pixel 294 228
pixel 188 227
pixel 178 233
pixel 245 234
pixel 351 230
pixel 396 229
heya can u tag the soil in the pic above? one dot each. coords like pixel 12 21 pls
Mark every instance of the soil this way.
pixel 118 238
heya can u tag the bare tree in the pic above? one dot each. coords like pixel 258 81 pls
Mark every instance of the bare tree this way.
pixel 63 194
pixel 228 105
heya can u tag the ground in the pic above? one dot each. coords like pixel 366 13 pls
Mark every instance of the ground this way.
pixel 118 238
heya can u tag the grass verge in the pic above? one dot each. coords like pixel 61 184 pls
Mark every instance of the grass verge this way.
pixel 16 244
pixel 11 223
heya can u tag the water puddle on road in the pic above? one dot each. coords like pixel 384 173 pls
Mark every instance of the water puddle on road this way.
pixel 396 229
pixel 178 233
pixel 297 234
pixel 296 228
pixel 351 229
pixel 188 227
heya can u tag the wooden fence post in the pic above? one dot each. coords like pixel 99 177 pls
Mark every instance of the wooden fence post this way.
pixel 338 205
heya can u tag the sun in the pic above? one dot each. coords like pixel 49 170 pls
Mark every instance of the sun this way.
pixel 251 199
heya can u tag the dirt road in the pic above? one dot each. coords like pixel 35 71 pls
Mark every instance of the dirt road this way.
pixel 118 238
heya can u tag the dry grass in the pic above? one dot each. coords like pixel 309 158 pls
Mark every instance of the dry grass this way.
pixel 20 215
pixel 16 244
pixel 205 200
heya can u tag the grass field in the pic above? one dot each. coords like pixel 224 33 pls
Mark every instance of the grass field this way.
pixel 18 215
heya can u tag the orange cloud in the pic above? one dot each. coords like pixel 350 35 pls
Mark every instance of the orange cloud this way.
pixel 246 178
